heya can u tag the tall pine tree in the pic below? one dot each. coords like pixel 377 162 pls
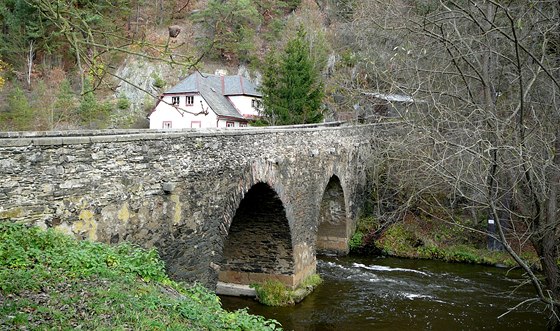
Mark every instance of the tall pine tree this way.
pixel 292 89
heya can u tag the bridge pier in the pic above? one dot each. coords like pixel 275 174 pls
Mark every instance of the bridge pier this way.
pixel 259 244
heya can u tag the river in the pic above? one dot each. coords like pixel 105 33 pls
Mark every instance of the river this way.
pixel 361 293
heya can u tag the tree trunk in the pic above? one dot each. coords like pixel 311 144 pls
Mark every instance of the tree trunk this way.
pixel 30 57
pixel 550 236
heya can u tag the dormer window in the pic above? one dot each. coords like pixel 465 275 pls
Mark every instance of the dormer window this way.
pixel 175 100
pixel 189 100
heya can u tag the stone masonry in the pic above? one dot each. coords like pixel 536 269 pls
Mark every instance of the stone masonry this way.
pixel 180 191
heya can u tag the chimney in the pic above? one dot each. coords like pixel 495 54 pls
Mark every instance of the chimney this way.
pixel 221 72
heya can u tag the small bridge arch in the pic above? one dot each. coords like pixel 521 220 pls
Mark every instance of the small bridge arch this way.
pixel 258 245
pixel 333 228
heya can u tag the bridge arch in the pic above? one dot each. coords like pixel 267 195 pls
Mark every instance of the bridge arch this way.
pixel 333 225
pixel 258 245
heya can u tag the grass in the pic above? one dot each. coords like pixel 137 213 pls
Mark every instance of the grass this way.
pixel 52 281
pixel 428 239
pixel 274 293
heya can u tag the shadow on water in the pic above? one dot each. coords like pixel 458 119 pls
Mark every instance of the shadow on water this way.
pixel 399 294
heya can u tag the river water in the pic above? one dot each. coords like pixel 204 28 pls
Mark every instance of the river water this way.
pixel 399 294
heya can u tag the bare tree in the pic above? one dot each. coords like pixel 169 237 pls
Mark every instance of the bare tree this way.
pixel 487 133
pixel 93 41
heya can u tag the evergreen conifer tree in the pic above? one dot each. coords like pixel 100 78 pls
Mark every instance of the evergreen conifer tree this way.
pixel 19 114
pixel 292 90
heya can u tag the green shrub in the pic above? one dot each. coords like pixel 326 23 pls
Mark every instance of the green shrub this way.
pixel 276 27
pixel 430 252
pixel 123 103
pixel 368 224
pixel 348 58
pixel 19 114
pixel 274 293
pixel 158 81
pixel 356 241
pixel 259 122
pixel 312 281
pixel 399 240
pixel 462 253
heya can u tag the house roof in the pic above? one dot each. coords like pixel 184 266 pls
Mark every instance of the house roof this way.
pixel 187 85
pixel 239 85
pixel 215 90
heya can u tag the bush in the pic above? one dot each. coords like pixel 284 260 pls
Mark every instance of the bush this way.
pixel 356 241
pixel 398 240
pixel 2 68
pixel 274 293
pixel 123 103
pixel 19 114
pixel 158 81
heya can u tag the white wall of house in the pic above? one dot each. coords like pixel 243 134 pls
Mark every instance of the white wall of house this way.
pixel 224 123
pixel 244 104
pixel 167 116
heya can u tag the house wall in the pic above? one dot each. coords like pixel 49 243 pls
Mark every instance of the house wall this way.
pixel 179 119
pixel 222 123
pixel 243 104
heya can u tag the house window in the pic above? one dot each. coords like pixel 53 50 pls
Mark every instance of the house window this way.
pixel 230 124
pixel 256 103
pixel 190 100
pixel 196 124
pixel 175 100
pixel 243 125
pixel 166 124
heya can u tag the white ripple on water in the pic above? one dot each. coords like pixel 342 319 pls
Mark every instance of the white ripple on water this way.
pixel 412 296
pixel 335 265
pixel 384 268
pixel 352 273
pixel 356 271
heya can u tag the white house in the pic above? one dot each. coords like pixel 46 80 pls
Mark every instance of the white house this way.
pixel 207 101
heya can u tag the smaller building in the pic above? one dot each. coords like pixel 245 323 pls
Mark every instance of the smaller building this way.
pixel 207 101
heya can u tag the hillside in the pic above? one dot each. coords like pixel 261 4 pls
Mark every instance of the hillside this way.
pixel 101 64
pixel 110 74
pixel 51 281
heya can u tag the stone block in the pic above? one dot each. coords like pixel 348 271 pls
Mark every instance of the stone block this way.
pixel 168 187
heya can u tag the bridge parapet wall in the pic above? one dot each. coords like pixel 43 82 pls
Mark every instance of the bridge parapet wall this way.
pixel 178 190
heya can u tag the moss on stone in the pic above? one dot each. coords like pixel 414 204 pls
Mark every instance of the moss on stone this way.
pixel 11 213
pixel 86 224
pixel 274 293
pixel 124 214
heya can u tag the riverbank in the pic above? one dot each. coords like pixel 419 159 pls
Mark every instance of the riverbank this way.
pixel 424 238
pixel 51 281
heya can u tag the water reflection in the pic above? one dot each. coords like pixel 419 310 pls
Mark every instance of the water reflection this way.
pixel 393 294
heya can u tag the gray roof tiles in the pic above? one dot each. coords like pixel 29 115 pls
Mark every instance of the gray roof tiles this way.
pixel 215 89
pixel 238 85
pixel 187 85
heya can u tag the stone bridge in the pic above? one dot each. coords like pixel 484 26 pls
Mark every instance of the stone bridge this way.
pixel 238 205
